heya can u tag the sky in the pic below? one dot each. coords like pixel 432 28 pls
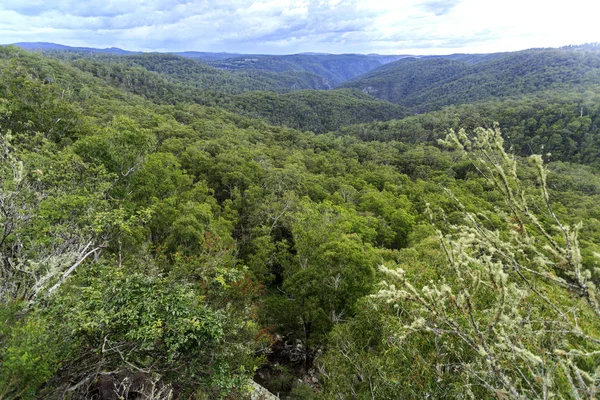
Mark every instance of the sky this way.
pixel 288 27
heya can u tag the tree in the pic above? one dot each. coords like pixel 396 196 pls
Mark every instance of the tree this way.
pixel 31 264
pixel 331 269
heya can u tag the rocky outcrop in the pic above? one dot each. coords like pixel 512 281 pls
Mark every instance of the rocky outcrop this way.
pixel 260 393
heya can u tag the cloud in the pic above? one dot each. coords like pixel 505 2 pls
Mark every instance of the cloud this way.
pixel 289 26
pixel 440 7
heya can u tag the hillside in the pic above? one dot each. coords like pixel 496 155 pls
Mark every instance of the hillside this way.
pixel 196 74
pixel 563 125
pixel 467 58
pixel 427 84
pixel 397 82
pixel 317 111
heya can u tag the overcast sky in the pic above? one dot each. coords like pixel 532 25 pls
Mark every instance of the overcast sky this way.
pixel 285 27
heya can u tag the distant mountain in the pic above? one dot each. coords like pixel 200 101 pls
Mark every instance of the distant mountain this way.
pixel 583 47
pixel 433 82
pixel 467 58
pixel 44 46
pixel 207 56
pixel 54 47
pixel 337 68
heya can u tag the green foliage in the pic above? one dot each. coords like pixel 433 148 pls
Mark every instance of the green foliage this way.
pixel 35 109
pixel 155 245
pixel 172 331
pixel 30 354
pixel 302 392
pixel 512 313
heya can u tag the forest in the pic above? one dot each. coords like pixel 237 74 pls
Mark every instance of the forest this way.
pixel 180 228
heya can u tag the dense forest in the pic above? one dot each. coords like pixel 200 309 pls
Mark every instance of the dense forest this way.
pixel 174 229
pixel 430 83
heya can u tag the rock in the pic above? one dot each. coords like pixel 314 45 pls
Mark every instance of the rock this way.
pixel 260 393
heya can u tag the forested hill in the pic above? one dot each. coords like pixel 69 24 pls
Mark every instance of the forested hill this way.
pixel 399 81
pixel 469 58
pixel 427 84
pixel 560 124
pixel 196 74
pixel 316 111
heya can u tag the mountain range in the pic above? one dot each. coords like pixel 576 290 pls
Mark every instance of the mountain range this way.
pixel 336 68
pixel 420 83
pixel 296 90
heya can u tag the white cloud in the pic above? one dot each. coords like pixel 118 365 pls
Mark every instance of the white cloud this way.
pixel 278 26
